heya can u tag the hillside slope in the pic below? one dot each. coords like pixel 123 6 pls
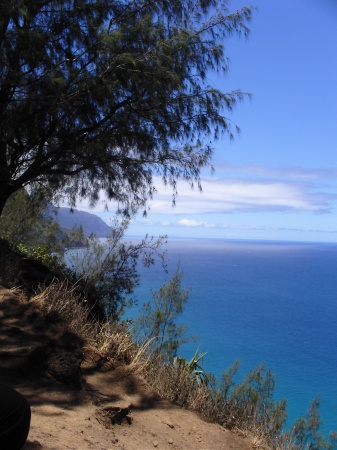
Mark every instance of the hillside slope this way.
pixel 68 417
pixel 90 223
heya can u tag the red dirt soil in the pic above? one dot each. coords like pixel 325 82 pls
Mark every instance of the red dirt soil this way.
pixel 66 417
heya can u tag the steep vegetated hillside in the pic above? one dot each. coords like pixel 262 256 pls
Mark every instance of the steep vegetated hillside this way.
pixel 91 385
pixel 83 379
pixel 69 218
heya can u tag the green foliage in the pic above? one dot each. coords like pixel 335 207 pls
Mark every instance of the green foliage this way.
pixel 247 405
pixel 28 219
pixel 70 238
pixel 104 95
pixel 28 224
pixel 193 367
pixel 40 254
pixel 109 267
pixel 157 320
pixel 255 396
pixel 306 431
pixel 256 389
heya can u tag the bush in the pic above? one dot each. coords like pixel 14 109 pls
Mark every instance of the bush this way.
pixel 157 319
pixel 306 431
pixel 42 254
pixel 109 268
pixel 28 218
pixel 248 406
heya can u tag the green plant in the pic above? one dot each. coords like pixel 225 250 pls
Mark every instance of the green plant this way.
pixel 157 319
pixel 306 431
pixel 193 367
pixel 28 219
pixel 109 268
pixel 102 96
pixel 42 254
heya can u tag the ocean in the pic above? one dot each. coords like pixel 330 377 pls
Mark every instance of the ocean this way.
pixel 272 302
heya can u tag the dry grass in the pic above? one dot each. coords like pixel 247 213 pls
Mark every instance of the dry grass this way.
pixel 62 301
pixel 177 385
pixel 19 293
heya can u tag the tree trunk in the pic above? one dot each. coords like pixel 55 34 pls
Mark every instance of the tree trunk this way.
pixel 6 188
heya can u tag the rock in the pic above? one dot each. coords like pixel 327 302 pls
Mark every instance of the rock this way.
pixel 168 423
pixel 111 415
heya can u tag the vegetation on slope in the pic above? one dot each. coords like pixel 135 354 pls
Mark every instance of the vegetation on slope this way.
pixel 247 405
pixel 102 97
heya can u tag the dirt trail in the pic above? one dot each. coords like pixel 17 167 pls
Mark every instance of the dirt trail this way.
pixel 64 417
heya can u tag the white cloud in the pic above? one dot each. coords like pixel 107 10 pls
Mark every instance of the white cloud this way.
pixel 266 189
pixel 239 227
pixel 146 222
pixel 291 172
pixel 228 195
pixel 194 223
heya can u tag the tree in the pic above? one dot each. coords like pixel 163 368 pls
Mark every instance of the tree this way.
pixel 29 220
pixel 103 95
pixel 158 319
pixel 306 431
pixel 110 268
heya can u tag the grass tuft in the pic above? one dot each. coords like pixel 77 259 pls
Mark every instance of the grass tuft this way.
pixel 62 301
pixel 246 407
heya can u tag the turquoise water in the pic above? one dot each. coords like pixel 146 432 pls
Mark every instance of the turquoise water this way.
pixel 263 301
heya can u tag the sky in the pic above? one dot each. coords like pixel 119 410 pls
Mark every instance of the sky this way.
pixel 277 180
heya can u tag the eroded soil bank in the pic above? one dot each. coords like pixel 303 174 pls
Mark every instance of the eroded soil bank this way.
pixel 89 408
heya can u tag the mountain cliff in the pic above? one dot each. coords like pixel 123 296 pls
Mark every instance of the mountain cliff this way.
pixel 90 223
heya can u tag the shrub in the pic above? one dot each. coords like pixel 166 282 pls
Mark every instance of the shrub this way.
pixel 193 367
pixel 109 268
pixel 157 319
pixel 41 253
pixel 305 432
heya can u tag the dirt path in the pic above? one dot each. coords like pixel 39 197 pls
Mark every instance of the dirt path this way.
pixel 68 418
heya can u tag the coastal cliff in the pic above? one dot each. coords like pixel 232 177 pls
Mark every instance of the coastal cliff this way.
pixel 78 402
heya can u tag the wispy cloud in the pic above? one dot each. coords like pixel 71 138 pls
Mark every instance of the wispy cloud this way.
pixel 191 223
pixel 290 172
pixel 246 189
pixel 221 195
pixel 194 223
pixel 248 227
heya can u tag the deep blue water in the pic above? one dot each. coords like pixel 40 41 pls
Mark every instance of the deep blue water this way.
pixel 262 301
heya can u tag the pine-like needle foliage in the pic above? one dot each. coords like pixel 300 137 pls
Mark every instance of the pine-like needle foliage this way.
pixel 103 95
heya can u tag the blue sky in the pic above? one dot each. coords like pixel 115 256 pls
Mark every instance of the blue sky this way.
pixel 278 179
